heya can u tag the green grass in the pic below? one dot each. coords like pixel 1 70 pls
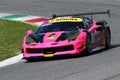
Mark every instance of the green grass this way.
pixel 11 37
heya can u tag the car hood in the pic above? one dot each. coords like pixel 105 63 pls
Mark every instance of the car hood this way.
pixel 54 36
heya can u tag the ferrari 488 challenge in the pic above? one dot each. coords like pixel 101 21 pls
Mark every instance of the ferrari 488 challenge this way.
pixel 67 35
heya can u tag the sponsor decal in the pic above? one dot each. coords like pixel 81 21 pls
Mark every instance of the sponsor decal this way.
pixel 66 20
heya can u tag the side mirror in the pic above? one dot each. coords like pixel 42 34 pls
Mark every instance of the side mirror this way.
pixel 103 23
pixel 99 23
pixel 29 32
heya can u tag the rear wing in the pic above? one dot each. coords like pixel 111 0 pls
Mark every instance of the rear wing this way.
pixel 81 14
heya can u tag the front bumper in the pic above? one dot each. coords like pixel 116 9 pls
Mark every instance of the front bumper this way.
pixel 39 50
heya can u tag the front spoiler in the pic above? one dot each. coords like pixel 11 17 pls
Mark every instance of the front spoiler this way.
pixel 42 58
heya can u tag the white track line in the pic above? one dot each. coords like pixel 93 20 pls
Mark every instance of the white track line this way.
pixel 12 60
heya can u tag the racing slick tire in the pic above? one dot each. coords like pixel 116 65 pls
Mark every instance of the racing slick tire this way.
pixel 30 60
pixel 107 38
pixel 88 44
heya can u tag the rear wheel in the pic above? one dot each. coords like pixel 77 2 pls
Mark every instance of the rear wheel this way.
pixel 107 38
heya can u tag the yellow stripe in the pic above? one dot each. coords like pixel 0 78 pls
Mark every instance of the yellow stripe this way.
pixel 48 55
pixel 66 20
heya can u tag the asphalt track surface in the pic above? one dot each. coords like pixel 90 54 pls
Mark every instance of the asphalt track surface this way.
pixel 101 65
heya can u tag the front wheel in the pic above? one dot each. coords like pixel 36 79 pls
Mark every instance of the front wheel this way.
pixel 31 59
pixel 88 44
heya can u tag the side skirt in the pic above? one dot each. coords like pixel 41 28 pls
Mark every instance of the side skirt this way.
pixel 98 48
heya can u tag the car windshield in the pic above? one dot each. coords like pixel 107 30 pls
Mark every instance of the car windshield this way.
pixel 60 26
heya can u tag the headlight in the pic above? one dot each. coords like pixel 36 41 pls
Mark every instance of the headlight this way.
pixel 29 40
pixel 73 37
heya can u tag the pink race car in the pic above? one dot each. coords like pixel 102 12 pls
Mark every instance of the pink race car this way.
pixel 67 35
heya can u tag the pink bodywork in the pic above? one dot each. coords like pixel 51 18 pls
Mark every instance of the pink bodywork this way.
pixel 78 45
pixel 47 43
